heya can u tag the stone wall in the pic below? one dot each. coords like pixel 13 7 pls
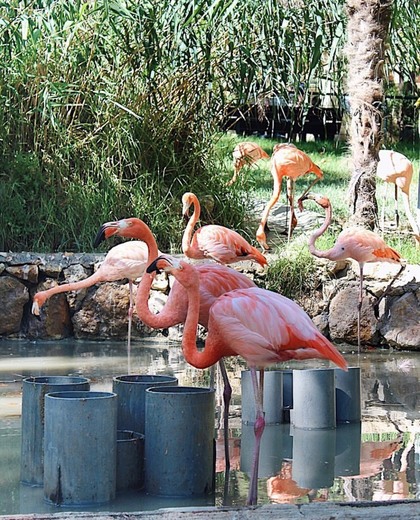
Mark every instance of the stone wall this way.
pixel 100 311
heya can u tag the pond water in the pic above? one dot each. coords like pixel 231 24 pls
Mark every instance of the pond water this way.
pixel 376 460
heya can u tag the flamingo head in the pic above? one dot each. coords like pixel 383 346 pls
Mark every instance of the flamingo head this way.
pixel 321 200
pixel 187 201
pixel 184 272
pixel 122 228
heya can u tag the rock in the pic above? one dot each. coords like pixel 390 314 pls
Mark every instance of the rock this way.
pixel 13 295
pixel 75 273
pixel 343 316
pixel 161 282
pixel 27 272
pixel 321 323
pixel 101 311
pixel 54 321
pixel 104 313
pixel 401 322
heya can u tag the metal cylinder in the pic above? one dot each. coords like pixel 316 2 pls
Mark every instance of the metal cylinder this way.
pixel 32 444
pixel 347 395
pixel 80 448
pixel 313 458
pixel 272 397
pixel 130 460
pixel 271 449
pixel 130 390
pixel 287 394
pixel 313 399
pixel 179 441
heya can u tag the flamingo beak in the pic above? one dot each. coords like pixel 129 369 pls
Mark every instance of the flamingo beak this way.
pixel 153 267
pixel 163 263
pixel 105 231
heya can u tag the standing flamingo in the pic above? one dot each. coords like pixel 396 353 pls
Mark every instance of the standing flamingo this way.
pixel 286 161
pixel 261 326
pixel 246 153
pixel 357 243
pixel 394 167
pixel 127 260
pixel 215 280
pixel 217 242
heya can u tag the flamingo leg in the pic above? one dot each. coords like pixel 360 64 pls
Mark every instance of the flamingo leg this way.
pixel 291 196
pixel 359 308
pixel 397 215
pixel 261 237
pixel 130 319
pixel 383 209
pixel 258 430
pixel 382 296
pixel 406 201
pixel 227 394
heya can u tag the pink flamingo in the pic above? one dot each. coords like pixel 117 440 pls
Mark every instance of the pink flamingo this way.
pixel 261 326
pixel 127 260
pixel 246 153
pixel 215 280
pixel 360 244
pixel 394 167
pixel 286 161
pixel 217 242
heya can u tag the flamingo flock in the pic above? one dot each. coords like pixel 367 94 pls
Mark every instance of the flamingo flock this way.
pixel 260 326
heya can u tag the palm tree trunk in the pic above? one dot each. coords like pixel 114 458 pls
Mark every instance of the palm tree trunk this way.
pixel 368 27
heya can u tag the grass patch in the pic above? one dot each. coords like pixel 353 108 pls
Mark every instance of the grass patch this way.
pixel 294 274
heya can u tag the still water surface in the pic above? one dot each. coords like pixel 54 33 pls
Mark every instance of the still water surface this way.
pixel 377 460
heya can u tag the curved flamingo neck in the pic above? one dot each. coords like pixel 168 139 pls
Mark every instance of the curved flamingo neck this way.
pixel 141 231
pixel 187 236
pixel 320 231
pixel 195 357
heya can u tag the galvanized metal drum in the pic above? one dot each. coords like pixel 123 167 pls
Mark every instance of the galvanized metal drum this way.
pixel 34 390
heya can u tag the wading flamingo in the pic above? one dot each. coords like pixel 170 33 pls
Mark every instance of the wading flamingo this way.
pixel 246 154
pixel 290 162
pixel 126 260
pixel 215 280
pixel 357 243
pixel 212 241
pixel 261 326
pixel 394 167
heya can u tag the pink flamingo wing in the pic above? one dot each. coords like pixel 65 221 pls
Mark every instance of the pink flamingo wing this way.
pixel 364 245
pixel 293 163
pixel 222 244
pixel 126 260
pixel 265 327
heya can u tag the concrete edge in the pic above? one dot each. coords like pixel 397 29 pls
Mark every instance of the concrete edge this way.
pixel 392 510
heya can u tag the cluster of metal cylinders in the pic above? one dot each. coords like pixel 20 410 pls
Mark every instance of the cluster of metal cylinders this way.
pixel 323 438
pixel 84 446
pixel 309 398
